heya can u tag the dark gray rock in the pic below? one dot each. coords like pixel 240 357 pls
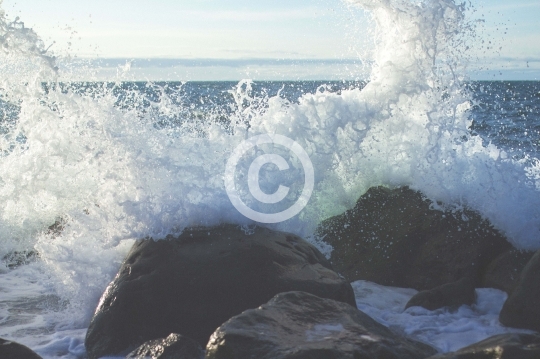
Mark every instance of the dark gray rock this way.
pixel 16 259
pixel 298 325
pixel 504 271
pixel 522 308
pixel 393 237
pixel 447 295
pixel 503 346
pixel 13 350
pixel 192 284
pixel 57 227
pixel 175 346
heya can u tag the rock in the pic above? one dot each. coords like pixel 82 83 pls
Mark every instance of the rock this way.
pixel 13 350
pixel 193 283
pixel 16 259
pixel 175 346
pixel 57 227
pixel 303 326
pixel 503 272
pixel 502 346
pixel 393 237
pixel 452 295
pixel 522 308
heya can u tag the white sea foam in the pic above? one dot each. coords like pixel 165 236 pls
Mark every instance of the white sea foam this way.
pixel 447 330
pixel 112 176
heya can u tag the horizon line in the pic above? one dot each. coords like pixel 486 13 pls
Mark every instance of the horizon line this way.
pixel 142 62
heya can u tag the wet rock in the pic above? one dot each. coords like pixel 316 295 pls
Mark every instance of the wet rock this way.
pixel 447 295
pixel 175 346
pixel 13 350
pixel 504 271
pixel 193 283
pixel 522 308
pixel 393 237
pixel 57 227
pixel 18 258
pixel 503 346
pixel 303 326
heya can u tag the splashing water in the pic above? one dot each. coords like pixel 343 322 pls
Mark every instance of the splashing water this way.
pixel 94 159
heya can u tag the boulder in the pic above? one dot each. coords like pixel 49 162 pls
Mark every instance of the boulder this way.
pixel 522 308
pixel 502 346
pixel 175 346
pixel 13 350
pixel 300 325
pixel 394 237
pixel 504 271
pixel 192 283
pixel 451 295
pixel 16 259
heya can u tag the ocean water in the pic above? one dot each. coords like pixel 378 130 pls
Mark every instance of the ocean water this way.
pixel 88 167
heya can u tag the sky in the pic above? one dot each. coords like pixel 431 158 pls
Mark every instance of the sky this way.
pixel 253 38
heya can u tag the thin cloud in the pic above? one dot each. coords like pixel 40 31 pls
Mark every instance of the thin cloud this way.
pixel 256 16
pixel 520 59
pixel 167 63
pixel 511 6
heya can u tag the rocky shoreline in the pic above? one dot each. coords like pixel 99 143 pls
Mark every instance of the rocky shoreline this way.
pixel 224 293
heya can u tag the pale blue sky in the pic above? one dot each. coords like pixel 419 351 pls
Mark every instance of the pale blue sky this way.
pixel 247 29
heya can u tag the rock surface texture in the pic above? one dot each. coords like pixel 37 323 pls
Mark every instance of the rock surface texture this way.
pixel 13 350
pixel 175 346
pixel 298 325
pixel 503 346
pixel 504 271
pixel 447 295
pixel 193 283
pixel 522 308
pixel 394 237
